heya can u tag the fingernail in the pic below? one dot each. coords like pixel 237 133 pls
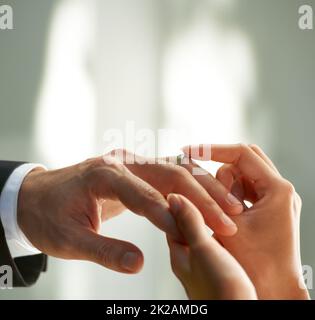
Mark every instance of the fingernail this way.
pixel 174 203
pixel 227 221
pixel 129 261
pixel 232 200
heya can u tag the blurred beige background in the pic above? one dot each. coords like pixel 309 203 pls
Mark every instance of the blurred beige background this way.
pixel 212 70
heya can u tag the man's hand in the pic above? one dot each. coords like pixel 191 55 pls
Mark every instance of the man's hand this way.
pixel 205 268
pixel 267 243
pixel 60 211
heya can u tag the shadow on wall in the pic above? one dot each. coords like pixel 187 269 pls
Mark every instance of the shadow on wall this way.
pixel 21 61
pixel 22 58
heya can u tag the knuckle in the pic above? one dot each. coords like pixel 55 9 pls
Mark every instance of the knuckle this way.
pixel 244 148
pixel 180 172
pixel 153 197
pixel 286 192
pixel 98 170
pixel 91 165
pixel 115 166
pixel 288 188
pixel 103 254
pixel 255 147
pixel 221 171
pixel 91 168
pixel 288 199
pixel 151 193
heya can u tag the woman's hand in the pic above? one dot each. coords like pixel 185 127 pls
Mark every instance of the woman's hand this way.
pixel 267 242
pixel 205 268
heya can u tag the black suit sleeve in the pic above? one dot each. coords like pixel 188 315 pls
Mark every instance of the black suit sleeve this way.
pixel 26 270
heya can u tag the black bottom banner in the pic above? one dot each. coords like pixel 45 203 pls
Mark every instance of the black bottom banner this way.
pixel 124 309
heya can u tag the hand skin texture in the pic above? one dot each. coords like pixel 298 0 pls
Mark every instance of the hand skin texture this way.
pixel 61 211
pixel 267 242
pixel 206 269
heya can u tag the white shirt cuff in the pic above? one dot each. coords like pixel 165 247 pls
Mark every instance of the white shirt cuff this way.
pixel 17 242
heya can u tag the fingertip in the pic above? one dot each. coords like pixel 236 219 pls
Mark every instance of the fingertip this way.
pixel 233 230
pixel 132 261
pixel 228 230
pixel 235 206
pixel 174 203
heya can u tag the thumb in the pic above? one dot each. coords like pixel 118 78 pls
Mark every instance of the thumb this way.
pixel 111 253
